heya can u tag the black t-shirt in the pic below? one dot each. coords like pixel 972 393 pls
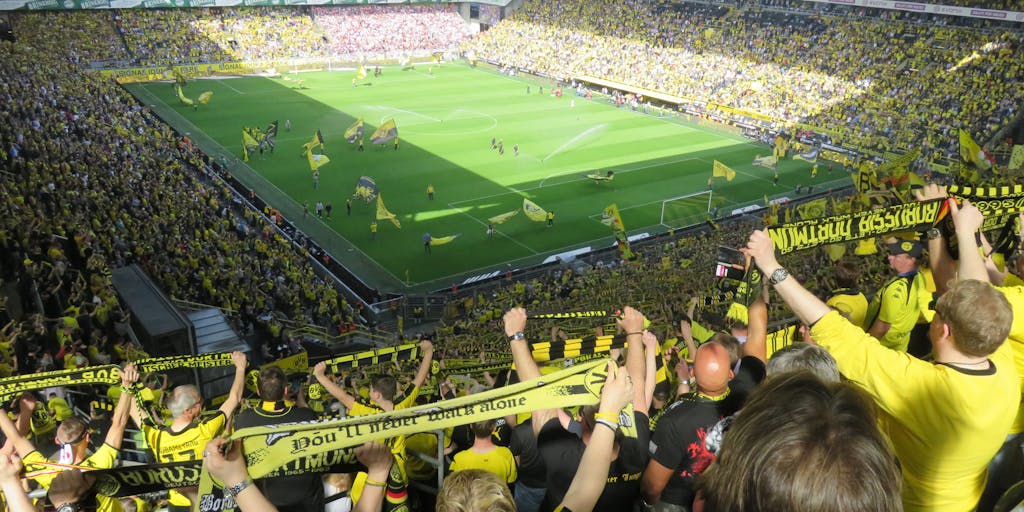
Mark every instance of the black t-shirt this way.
pixel 562 452
pixel 678 442
pixel 750 373
pixel 299 492
pixel 532 471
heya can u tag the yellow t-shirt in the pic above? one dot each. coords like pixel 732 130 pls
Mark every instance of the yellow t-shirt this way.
pixel 103 458
pixel 851 303
pixel 170 446
pixel 60 408
pixel 944 424
pixel 499 461
pixel 897 304
pixel 1015 294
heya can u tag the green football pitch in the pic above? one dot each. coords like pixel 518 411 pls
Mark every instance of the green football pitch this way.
pixel 446 117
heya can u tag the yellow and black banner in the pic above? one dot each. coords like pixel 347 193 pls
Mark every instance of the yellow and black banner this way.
pixel 105 374
pixel 292 449
pixel 574 314
pixel 548 350
pixel 405 352
pixel 293 364
pixel 807 234
pixel 998 204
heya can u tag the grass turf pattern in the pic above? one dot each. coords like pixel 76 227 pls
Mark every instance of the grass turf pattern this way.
pixel 446 117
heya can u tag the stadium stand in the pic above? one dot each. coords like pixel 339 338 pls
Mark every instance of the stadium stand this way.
pixel 92 180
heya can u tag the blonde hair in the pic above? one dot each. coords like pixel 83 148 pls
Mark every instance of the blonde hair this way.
pixel 474 490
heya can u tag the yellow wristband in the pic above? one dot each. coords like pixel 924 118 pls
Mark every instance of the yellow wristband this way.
pixel 610 416
pixel 374 483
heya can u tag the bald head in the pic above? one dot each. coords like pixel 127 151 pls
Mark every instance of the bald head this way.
pixel 712 370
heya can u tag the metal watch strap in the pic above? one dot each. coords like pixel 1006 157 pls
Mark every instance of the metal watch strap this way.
pixel 778 275
pixel 234 490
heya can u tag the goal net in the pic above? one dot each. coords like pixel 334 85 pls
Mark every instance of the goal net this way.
pixel 682 211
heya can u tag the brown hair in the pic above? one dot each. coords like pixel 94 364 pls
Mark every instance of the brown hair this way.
pixel 474 490
pixel 271 383
pixel 386 385
pixel 483 429
pixel 847 273
pixel 975 334
pixel 824 453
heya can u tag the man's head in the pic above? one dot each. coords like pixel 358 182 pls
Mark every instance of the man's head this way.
pixel 731 344
pixel 712 369
pixel 826 453
pixel 383 388
pixel 807 357
pixel 271 384
pixel 473 490
pixel 957 319
pixel 483 429
pixel 73 438
pixel 847 274
pixel 903 255
pixel 185 402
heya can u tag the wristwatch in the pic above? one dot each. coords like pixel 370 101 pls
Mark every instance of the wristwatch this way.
pixel 69 507
pixel 934 233
pixel 779 275
pixel 518 336
pixel 235 490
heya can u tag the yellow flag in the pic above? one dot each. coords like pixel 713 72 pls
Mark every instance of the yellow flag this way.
pixel 316 161
pixel 442 240
pixel 385 132
pixel 384 214
pixel 248 144
pixel 721 170
pixel 181 96
pixel 361 73
pixel 499 219
pixel 971 152
pixel 204 98
pixel 610 217
pixel 533 211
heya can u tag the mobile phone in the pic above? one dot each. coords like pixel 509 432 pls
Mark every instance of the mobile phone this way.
pixel 730 272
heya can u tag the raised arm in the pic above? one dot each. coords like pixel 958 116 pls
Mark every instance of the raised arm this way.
pixel 21 444
pixel 801 301
pixel 757 329
pixel 377 458
pixel 229 468
pixel 332 387
pixel 427 351
pixel 115 435
pixel 522 357
pixel 650 372
pixel 686 332
pixel 632 322
pixel 587 485
pixel 967 219
pixel 237 386
pixel 939 260
pixel 10 483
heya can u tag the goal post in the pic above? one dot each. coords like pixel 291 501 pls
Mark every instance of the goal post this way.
pixel 687 210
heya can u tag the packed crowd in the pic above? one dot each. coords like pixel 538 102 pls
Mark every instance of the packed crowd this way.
pixel 725 415
pixel 94 185
pixel 851 77
pixel 391 31
pixel 156 37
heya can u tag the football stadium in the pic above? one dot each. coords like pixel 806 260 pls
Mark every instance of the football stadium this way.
pixel 359 255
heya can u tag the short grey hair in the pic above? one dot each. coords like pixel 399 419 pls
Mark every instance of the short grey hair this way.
pixel 804 356
pixel 183 397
